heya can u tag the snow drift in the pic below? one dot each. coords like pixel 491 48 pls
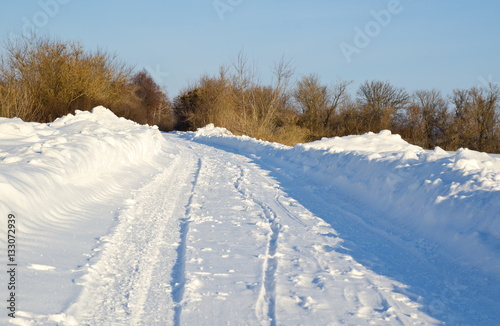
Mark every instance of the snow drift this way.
pixel 64 182
pixel 449 198
pixel 37 158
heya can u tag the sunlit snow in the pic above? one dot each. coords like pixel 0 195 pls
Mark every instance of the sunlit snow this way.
pixel 118 223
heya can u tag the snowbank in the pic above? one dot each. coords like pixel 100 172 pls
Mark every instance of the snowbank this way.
pixel 449 198
pixel 64 182
pixel 35 159
pixel 212 130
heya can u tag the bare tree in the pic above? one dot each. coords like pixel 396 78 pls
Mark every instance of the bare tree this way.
pixel 381 102
pixel 153 100
pixel 337 97
pixel 349 118
pixel 263 115
pixel 312 99
pixel 477 117
pixel 243 81
pixel 318 103
pixel 432 116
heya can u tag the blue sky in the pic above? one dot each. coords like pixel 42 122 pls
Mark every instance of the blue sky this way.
pixel 415 44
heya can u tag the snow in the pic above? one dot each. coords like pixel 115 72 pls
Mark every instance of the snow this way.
pixel 450 198
pixel 383 144
pixel 64 182
pixel 117 223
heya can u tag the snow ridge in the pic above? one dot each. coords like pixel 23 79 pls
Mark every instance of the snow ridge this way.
pixel 179 269
pixel 450 198
pixel 266 304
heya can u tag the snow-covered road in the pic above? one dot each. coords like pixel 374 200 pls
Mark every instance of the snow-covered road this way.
pixel 214 240
pixel 206 228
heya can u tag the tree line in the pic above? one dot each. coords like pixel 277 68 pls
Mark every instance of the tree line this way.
pixel 292 111
pixel 43 78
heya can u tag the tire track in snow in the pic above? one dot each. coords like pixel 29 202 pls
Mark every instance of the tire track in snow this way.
pixel 149 263
pixel 266 303
pixel 278 200
pixel 179 269
pixel 309 285
pixel 382 299
pixel 268 289
pixel 117 286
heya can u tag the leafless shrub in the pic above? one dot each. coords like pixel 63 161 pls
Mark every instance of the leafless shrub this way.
pixel 234 100
pixel 476 118
pixel 381 103
pixel 426 120
pixel 318 104
pixel 153 102
pixel 43 78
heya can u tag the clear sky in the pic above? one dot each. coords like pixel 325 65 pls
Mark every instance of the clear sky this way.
pixel 416 44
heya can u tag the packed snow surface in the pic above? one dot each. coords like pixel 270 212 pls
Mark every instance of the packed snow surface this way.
pixel 117 223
